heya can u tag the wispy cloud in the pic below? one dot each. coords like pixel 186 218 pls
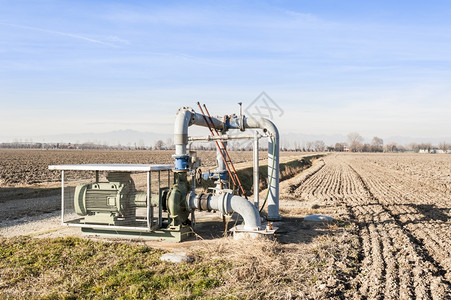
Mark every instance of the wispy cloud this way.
pixel 115 39
pixel 65 34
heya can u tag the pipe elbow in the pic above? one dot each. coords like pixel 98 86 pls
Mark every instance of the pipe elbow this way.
pixel 264 124
pixel 247 210
pixel 226 204
pixel 183 119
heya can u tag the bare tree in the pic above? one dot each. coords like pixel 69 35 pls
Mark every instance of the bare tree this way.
pixel 425 147
pixel 339 147
pixel 297 146
pixel 169 144
pixel 377 144
pixel 159 145
pixel 413 147
pixel 366 148
pixel 355 141
pixel 391 147
pixel 444 146
pixel 319 146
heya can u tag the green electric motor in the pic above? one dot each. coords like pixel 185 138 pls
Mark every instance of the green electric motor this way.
pixel 113 202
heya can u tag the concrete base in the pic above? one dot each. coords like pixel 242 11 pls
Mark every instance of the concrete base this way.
pixel 318 218
pixel 240 233
pixel 274 218
pixel 174 236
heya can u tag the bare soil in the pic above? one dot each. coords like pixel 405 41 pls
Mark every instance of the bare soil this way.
pixel 401 206
pixel 390 238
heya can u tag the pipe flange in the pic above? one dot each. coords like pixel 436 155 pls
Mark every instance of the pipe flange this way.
pixel 197 200
pixel 222 203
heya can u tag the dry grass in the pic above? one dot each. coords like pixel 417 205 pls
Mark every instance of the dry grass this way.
pixel 306 261
pixel 265 269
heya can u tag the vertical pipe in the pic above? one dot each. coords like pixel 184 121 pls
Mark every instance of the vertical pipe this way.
pixel 62 197
pixel 160 209
pixel 221 169
pixel 273 163
pixel 149 215
pixel 159 179
pixel 256 177
pixel 273 177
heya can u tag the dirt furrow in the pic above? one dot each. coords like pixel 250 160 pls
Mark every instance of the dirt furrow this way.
pixel 433 244
pixel 400 257
pixel 431 269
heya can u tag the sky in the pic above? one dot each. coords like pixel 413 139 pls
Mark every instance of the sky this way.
pixel 379 68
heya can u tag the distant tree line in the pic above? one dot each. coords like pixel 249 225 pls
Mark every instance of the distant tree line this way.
pixel 355 143
pixel 70 146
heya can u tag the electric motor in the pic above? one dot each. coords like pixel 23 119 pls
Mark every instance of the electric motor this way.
pixel 103 202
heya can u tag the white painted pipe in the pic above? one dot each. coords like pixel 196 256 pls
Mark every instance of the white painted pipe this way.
pixel 222 137
pixel 226 204
pixel 256 178
pixel 273 163
pixel 183 119
pixel 186 117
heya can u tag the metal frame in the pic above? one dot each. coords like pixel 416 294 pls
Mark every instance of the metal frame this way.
pixel 224 137
pixel 148 168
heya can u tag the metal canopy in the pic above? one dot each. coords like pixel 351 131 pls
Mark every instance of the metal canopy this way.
pixel 114 167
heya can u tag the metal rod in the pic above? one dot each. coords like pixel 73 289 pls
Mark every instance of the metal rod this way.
pixel 160 208
pixel 221 137
pixel 231 169
pixel 160 216
pixel 217 143
pixel 62 196
pixel 256 174
pixel 149 216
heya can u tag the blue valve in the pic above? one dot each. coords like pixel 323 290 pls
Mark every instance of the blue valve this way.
pixel 181 162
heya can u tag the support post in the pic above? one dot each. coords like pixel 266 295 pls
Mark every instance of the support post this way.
pixel 149 215
pixel 256 175
pixel 62 197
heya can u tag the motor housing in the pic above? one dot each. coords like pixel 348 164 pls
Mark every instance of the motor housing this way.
pixel 113 202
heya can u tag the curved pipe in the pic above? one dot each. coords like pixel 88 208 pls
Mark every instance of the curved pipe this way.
pixel 226 204
pixel 273 163
pixel 183 119
pixel 186 116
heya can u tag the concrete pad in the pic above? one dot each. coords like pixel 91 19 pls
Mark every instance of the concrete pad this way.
pixel 177 257
pixel 318 218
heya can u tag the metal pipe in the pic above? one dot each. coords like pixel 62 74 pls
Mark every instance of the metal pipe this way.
pixel 183 119
pixel 62 197
pixel 149 216
pixel 221 169
pixel 273 163
pixel 227 203
pixel 223 137
pixel 256 175
pixel 186 117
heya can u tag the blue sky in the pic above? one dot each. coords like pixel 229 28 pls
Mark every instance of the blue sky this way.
pixel 379 68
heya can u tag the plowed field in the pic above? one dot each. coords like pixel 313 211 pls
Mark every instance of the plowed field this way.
pixel 390 238
pixel 401 206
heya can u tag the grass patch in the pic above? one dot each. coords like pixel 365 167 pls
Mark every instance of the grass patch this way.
pixel 76 268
